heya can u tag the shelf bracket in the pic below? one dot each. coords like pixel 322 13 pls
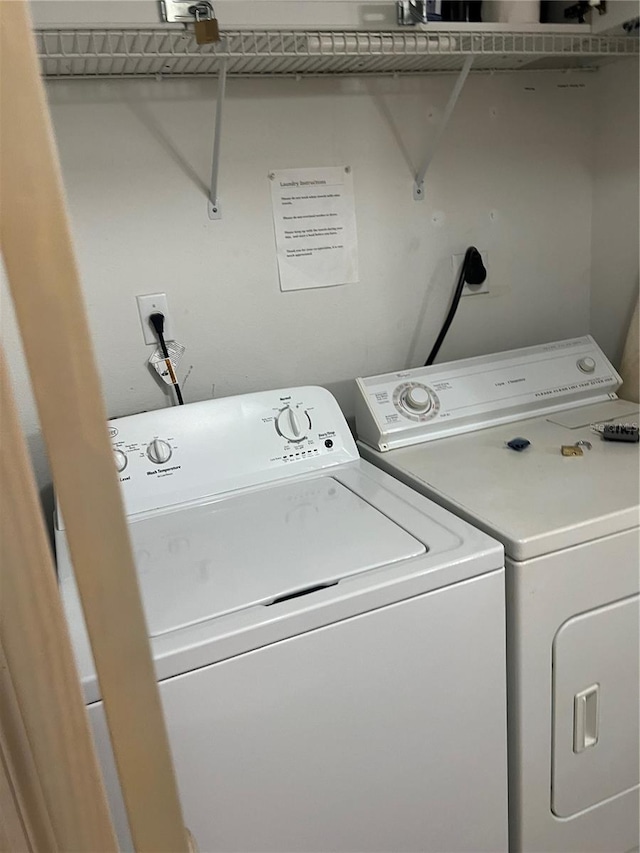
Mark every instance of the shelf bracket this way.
pixel 418 186
pixel 214 203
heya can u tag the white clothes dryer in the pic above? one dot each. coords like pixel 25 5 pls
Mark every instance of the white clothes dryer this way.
pixel 329 645
pixel 569 525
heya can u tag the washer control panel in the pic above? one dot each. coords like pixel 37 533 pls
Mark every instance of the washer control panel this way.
pixel 186 453
pixel 400 409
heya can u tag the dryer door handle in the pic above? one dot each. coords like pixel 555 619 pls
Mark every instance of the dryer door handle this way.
pixel 586 718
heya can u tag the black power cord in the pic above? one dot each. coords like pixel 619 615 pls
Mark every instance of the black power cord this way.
pixel 157 321
pixel 472 271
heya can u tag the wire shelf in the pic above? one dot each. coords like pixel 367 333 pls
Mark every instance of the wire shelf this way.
pixel 173 52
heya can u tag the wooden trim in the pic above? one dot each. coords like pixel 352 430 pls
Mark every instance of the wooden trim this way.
pixel 14 835
pixel 23 807
pixel 47 753
pixel 630 363
pixel 45 287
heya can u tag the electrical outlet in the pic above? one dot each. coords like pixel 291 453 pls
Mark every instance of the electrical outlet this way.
pixel 149 304
pixel 472 290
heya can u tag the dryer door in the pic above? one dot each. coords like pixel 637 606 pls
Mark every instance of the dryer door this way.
pixel 595 702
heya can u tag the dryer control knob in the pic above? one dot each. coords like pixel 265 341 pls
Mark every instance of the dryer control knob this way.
pixel 293 424
pixel 120 459
pixel 586 365
pixel 417 399
pixel 159 451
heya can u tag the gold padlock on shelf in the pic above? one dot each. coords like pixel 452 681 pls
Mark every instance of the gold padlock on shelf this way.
pixel 206 23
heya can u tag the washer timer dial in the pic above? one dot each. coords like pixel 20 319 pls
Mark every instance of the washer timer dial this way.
pixel 416 401
pixel 293 424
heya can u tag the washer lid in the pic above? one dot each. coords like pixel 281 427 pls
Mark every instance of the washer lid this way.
pixel 202 562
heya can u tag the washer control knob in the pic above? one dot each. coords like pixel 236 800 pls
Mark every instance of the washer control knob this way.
pixel 417 399
pixel 120 459
pixel 293 424
pixel 159 451
pixel 586 364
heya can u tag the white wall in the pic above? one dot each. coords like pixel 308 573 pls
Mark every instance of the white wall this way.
pixel 616 192
pixel 513 176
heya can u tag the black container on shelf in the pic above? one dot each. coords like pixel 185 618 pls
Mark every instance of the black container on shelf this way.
pixel 462 10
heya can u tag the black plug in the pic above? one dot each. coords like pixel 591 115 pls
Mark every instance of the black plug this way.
pixel 475 272
pixel 157 321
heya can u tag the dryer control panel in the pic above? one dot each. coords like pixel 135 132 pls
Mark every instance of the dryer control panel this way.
pixel 424 403
pixel 182 454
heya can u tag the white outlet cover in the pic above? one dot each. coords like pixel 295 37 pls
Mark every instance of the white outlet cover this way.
pixel 148 304
pixel 456 263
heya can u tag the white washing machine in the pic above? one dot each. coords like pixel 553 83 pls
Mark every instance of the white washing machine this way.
pixel 329 645
pixel 569 525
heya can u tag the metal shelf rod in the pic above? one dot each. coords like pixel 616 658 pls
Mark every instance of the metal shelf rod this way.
pixel 214 203
pixel 418 187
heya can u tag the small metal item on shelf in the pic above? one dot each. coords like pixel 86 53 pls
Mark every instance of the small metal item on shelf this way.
pixel 583 443
pixel 571 450
pixel 206 23
pixel 410 12
pixel 580 9
pixel 518 444
pixel 199 13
